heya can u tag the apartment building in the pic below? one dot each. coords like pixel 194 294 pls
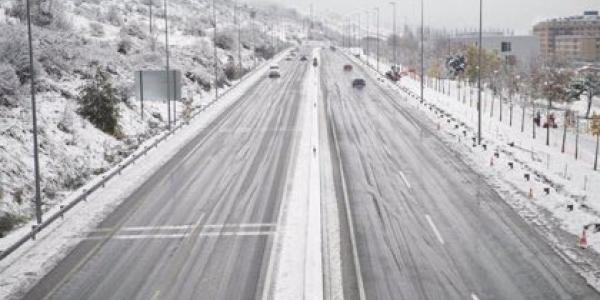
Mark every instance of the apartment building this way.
pixel 575 39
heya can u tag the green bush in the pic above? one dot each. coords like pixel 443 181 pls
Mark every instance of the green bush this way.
pixel 98 103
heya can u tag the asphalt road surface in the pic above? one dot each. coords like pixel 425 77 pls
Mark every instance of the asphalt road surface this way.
pixel 202 227
pixel 427 227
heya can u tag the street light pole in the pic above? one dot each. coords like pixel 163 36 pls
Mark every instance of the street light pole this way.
pixel 395 33
pixel 214 11
pixel 479 72
pixel 367 37
pixel 168 67
pixel 36 161
pixel 237 21
pixel 422 50
pixel 377 10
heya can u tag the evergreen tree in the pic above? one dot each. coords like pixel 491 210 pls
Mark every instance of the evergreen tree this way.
pixel 98 104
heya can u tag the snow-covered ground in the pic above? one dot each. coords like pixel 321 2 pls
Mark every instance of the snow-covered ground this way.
pixel 88 33
pixel 568 181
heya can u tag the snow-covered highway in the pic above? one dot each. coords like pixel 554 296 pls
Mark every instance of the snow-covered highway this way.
pixel 202 227
pixel 426 225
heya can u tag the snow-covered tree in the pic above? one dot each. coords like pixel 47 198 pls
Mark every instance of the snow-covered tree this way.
pixel 587 84
pixel 98 103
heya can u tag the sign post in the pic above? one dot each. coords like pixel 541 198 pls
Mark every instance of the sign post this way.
pixel 596 132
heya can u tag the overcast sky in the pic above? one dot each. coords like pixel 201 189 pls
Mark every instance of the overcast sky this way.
pixel 518 15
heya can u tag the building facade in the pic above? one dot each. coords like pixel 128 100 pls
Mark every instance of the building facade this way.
pixel 575 39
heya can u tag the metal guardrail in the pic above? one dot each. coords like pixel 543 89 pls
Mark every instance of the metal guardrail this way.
pixel 121 166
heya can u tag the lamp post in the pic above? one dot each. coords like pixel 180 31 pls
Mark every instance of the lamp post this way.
pixel 395 33
pixel 422 50
pixel 216 61
pixel 377 10
pixel 168 66
pixel 239 29
pixel 36 161
pixel 367 37
pixel 479 72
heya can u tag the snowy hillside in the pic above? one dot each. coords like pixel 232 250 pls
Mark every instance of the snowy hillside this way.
pixel 74 38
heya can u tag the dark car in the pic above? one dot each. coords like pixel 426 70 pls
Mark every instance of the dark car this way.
pixel 303 58
pixel 274 74
pixel 359 83
pixel 348 68
pixel 332 48
pixel 315 62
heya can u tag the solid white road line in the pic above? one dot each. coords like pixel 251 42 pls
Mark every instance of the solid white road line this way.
pixel 435 230
pixel 185 227
pixel 405 180
pixel 474 297
pixel 181 235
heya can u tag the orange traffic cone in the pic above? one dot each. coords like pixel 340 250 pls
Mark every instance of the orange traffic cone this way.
pixel 583 244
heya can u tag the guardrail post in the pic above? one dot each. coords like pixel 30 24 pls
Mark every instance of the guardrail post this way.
pixel 34 230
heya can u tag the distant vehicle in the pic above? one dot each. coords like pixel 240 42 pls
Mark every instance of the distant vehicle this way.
pixel 348 68
pixel 274 67
pixel 303 58
pixel 332 48
pixel 274 74
pixel 315 62
pixel 359 83
pixel 289 58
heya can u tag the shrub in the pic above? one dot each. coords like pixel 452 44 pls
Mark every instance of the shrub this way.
pixel 231 71
pixel 96 29
pixel 124 46
pixel 224 41
pixel 9 82
pixel 99 104
pixel 133 29
pixel 8 221
pixel 265 52
pixel 113 15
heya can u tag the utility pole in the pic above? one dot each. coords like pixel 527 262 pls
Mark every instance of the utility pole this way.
pixel 214 11
pixel 311 21
pixel 358 35
pixel 367 37
pixel 377 10
pixel 239 29
pixel 479 72
pixel 395 33
pixel 422 50
pixel 168 67
pixel 150 4
pixel 36 160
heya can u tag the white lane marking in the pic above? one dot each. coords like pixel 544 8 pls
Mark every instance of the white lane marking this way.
pixel 435 230
pixel 181 235
pixel 474 297
pixel 405 180
pixel 184 227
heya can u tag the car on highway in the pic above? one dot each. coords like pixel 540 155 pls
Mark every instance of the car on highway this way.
pixel 303 58
pixel 289 58
pixel 359 83
pixel 274 74
pixel 315 62
pixel 274 67
pixel 348 68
